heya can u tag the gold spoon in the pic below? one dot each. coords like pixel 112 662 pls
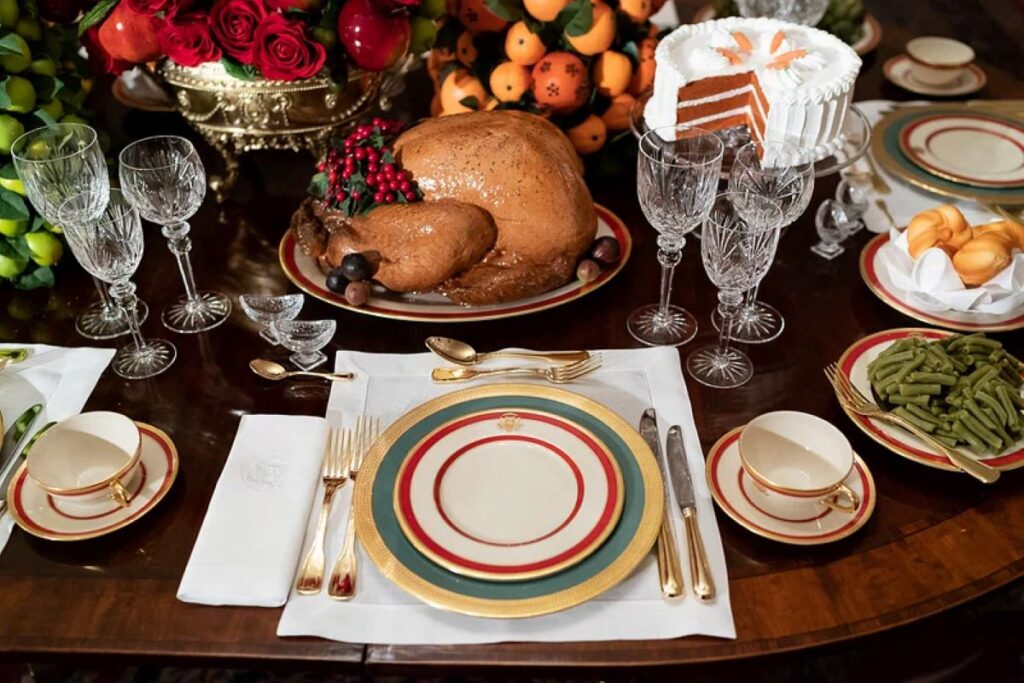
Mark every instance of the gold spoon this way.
pixel 461 353
pixel 268 369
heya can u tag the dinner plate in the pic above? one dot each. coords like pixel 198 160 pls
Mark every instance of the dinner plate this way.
pixel 876 277
pixel 870 37
pixel 975 149
pixel 307 275
pixel 739 497
pixel 854 364
pixel 900 70
pixel 381 534
pixel 887 151
pixel 509 496
pixel 42 515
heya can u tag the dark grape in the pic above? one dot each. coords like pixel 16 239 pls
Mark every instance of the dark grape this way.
pixel 336 281
pixel 356 267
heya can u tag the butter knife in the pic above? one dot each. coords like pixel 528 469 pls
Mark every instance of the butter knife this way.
pixel 669 571
pixel 682 482
pixel 5 484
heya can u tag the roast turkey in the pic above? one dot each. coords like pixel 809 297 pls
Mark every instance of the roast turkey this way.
pixel 505 212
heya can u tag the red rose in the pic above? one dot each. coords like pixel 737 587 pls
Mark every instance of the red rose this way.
pixel 234 23
pixel 101 61
pixel 187 40
pixel 284 52
pixel 151 7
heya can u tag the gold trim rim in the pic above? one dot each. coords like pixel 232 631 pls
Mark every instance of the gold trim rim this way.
pixel 518 576
pixel 916 158
pixel 638 547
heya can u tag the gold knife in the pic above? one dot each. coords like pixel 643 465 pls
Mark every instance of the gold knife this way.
pixel 670 572
pixel 682 482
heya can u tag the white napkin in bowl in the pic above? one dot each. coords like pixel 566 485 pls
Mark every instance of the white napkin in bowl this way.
pixel 933 284
pixel 248 547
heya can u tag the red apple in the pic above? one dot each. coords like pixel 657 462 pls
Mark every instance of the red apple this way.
pixel 372 39
pixel 130 36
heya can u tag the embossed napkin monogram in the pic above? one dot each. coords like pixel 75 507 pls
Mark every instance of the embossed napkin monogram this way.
pixel 249 544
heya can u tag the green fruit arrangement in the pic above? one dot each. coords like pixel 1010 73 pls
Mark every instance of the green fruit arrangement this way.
pixel 843 18
pixel 41 83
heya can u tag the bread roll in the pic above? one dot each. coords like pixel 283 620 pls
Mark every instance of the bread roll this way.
pixel 1013 231
pixel 944 227
pixel 982 258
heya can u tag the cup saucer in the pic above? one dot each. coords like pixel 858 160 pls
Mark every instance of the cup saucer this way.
pixel 900 70
pixel 738 496
pixel 45 516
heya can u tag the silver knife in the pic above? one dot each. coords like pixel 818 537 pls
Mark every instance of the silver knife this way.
pixel 682 482
pixel 14 437
pixel 670 573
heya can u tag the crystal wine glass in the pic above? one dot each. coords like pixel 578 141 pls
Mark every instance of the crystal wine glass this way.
pixel 765 8
pixel 305 338
pixel 164 179
pixel 266 310
pixel 677 175
pixel 833 225
pixel 737 247
pixel 854 199
pixel 784 174
pixel 109 246
pixel 54 163
pixel 806 12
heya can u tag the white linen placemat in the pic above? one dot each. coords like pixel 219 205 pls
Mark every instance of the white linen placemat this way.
pixel 388 385
pixel 60 378
pixel 248 547
pixel 905 201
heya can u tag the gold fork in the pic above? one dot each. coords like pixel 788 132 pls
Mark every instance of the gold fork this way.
pixel 561 374
pixel 851 398
pixel 342 585
pixel 335 472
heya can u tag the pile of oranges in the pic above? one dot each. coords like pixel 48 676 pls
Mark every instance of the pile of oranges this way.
pixel 581 63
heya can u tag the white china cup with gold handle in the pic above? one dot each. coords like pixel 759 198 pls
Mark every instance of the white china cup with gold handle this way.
pixel 797 458
pixel 87 457
pixel 938 61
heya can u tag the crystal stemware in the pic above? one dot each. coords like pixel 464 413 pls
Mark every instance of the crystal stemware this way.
pixel 765 8
pixel 784 174
pixel 833 225
pixel 677 174
pixel 854 198
pixel 806 12
pixel 737 247
pixel 109 246
pixel 305 338
pixel 266 310
pixel 54 163
pixel 164 179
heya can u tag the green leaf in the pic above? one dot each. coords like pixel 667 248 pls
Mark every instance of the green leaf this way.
pixel 244 72
pixel 96 15
pixel 577 17
pixel 45 117
pixel 471 102
pixel 37 278
pixel 7 250
pixel 9 172
pixel 318 186
pixel 509 10
pixel 10 44
pixel 46 87
pixel 21 247
pixel 12 206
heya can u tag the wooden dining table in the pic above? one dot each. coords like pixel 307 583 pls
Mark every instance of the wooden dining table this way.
pixel 937 545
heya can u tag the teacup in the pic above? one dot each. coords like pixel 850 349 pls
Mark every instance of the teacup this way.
pixel 798 459
pixel 938 61
pixel 87 457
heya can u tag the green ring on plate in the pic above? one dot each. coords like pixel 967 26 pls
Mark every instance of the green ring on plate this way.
pixel 391 532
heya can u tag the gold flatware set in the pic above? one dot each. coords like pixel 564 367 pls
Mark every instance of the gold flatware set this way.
pixel 342 585
pixel 569 365
pixel 268 369
pixel 560 374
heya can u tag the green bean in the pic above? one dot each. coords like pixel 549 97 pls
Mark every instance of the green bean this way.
pixel 973 440
pixel 943 378
pixel 1015 396
pixel 908 368
pixel 949 441
pixel 920 400
pixel 913 419
pixel 886 371
pixel 960 340
pixel 986 374
pixel 923 415
pixel 907 389
pixel 993 405
pixel 1012 414
pixel 981 430
pixel 979 340
pixel 974 409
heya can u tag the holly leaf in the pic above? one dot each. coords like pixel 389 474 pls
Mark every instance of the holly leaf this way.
pixel 577 17
pixel 10 45
pixel 12 206
pixel 20 246
pixel 318 186
pixel 509 10
pixel 244 72
pixel 472 102
pixel 38 277
pixel 7 250
pixel 97 14
pixel 9 172
pixel 45 117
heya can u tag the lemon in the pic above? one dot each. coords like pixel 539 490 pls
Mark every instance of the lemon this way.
pixel 46 249
pixel 54 108
pixel 44 66
pixel 13 184
pixel 28 28
pixel 11 268
pixel 12 228
pixel 9 13
pixel 18 61
pixel 10 130
pixel 21 93
pixel 71 118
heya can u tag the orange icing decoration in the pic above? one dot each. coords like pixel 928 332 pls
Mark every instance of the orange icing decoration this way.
pixel 777 41
pixel 733 58
pixel 785 59
pixel 742 41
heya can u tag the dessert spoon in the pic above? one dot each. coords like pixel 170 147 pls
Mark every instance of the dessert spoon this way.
pixel 461 353
pixel 268 369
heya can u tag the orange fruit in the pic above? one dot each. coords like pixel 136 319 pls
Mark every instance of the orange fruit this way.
pixel 545 10
pixel 459 85
pixel 436 60
pixel 475 16
pixel 638 11
pixel 601 34
pixel 643 75
pixel 465 51
pixel 491 104
pixel 589 136
pixel 522 45
pixel 616 116
pixel 509 81
pixel 560 82
pixel 612 73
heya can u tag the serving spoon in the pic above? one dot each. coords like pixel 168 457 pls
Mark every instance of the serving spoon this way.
pixel 268 369
pixel 461 353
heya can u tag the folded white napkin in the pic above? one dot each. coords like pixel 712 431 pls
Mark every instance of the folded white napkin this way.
pixel 905 201
pixel 60 378
pixel 248 547
pixel 932 282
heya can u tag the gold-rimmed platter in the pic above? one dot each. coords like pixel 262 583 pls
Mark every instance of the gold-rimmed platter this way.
pixel 617 555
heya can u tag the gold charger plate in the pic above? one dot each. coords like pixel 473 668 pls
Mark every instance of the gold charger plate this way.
pixel 398 559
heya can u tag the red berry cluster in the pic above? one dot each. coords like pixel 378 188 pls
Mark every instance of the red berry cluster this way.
pixel 361 172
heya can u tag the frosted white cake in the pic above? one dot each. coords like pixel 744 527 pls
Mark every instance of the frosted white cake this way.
pixel 786 82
